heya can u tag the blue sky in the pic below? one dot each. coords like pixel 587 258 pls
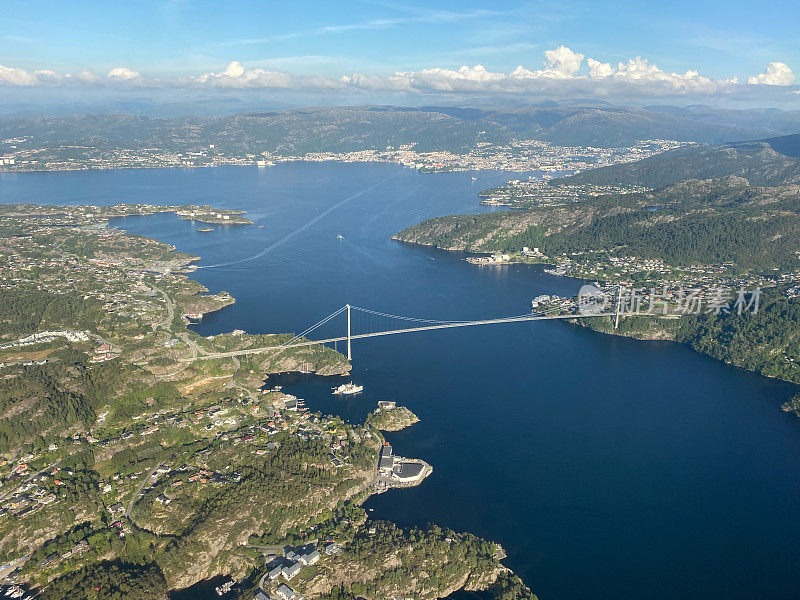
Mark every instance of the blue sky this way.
pixel 169 41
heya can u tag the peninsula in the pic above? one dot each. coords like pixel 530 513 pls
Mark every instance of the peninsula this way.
pixel 712 236
pixel 125 464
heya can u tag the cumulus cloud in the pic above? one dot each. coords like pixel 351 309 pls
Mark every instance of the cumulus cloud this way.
pixel 237 76
pixel 599 70
pixel 641 71
pixel 778 73
pixel 558 64
pixel 15 76
pixel 122 74
pixel 85 77
pixel 561 62
pixel 562 71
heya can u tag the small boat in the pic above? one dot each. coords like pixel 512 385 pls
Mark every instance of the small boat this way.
pixel 474 178
pixel 348 389
pixel 224 588
pixel 339 235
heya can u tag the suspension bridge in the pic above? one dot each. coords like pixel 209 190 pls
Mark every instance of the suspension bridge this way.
pixel 377 324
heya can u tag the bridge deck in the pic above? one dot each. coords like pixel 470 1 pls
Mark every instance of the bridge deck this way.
pixel 532 317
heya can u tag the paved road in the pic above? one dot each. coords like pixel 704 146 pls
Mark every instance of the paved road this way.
pixel 138 491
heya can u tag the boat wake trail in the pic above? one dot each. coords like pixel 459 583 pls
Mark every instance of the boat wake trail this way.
pixel 300 229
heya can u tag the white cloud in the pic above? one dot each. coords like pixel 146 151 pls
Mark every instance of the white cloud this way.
pixel 442 80
pixel 15 76
pixel 599 70
pixel 85 76
pixel 562 72
pixel 236 76
pixel 122 74
pixel 558 64
pixel 640 70
pixel 778 73
pixel 562 62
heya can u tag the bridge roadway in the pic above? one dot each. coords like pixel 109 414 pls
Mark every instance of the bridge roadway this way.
pixel 356 336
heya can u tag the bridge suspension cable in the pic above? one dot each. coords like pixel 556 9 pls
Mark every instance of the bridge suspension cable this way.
pixel 294 343
pixel 304 333
pixel 401 317
pixel 425 324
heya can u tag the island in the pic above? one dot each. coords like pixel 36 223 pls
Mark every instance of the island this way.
pixel 390 417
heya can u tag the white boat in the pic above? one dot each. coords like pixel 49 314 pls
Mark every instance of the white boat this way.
pixel 348 389
pixel 339 236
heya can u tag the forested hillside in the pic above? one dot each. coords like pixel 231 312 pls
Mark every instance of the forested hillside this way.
pixel 708 221
pixel 758 162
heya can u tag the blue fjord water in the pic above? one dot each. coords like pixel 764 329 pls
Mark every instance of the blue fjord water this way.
pixel 606 467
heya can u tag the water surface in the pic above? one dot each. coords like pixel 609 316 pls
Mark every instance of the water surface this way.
pixel 606 467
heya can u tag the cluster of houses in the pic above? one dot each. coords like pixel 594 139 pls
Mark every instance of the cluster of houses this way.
pixel 283 591
pixel 46 336
pixel 292 561
pixel 493 259
pixel 287 567
pixel 293 414
pixel 34 493
pixel 103 353
pixel 54 558
pixel 197 213
pixel 518 155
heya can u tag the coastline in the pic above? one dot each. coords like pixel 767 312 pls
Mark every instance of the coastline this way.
pixel 630 326
pixel 469 583
pixel 422 386
pixel 180 291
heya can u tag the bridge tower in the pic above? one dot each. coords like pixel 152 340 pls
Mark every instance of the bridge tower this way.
pixel 349 352
pixel 616 311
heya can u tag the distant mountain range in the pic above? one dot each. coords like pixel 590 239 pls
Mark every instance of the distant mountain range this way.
pixel 289 132
pixel 611 126
pixel 454 128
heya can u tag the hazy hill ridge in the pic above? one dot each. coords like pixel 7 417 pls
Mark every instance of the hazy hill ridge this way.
pixel 299 131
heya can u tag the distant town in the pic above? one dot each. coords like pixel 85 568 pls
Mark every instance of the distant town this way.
pixel 25 154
